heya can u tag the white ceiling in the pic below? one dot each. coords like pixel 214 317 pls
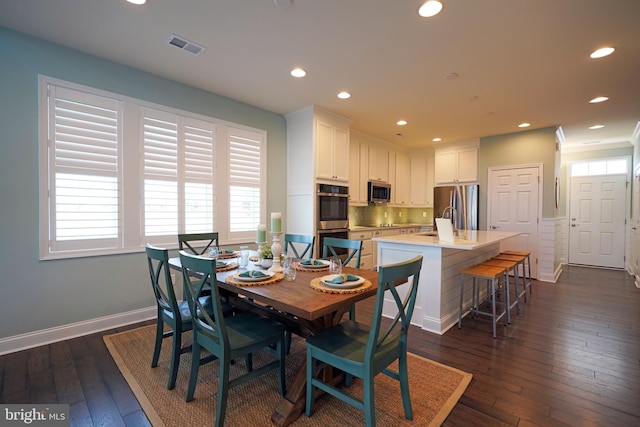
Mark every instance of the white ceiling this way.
pixel 517 61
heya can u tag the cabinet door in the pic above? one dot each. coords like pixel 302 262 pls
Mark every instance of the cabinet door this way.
pixel 324 150
pixel 403 180
pixel 429 181
pixel 341 154
pixel 468 164
pixel 446 167
pixel 418 181
pixel 378 164
pixel 355 195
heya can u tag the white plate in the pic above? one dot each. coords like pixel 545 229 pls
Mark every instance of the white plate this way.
pixel 346 285
pixel 325 263
pixel 267 275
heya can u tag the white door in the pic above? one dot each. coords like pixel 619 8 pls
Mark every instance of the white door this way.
pixel 514 206
pixel 597 220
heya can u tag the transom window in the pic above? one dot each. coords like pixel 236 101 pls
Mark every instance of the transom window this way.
pixel 119 172
pixel 599 167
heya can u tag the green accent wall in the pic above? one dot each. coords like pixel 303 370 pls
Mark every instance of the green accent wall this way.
pixel 37 295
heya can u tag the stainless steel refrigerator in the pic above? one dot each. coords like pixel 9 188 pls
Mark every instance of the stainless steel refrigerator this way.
pixel 459 202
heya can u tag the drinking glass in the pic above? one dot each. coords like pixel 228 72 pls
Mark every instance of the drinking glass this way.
pixel 213 253
pixel 335 266
pixel 289 271
pixel 244 256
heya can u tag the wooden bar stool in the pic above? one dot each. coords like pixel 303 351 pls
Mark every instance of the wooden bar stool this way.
pixel 527 261
pixel 508 266
pixel 520 260
pixel 491 274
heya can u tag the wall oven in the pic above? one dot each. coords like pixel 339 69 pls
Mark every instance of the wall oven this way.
pixel 332 214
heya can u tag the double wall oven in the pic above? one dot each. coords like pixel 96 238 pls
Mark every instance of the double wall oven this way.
pixel 332 215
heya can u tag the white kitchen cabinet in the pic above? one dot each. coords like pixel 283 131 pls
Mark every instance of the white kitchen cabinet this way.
pixel 378 163
pixel 456 165
pixel 366 254
pixel 332 151
pixel 418 181
pixel 357 184
pixel 430 180
pixel 400 189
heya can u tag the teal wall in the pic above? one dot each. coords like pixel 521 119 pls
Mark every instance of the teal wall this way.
pixel 44 294
pixel 532 147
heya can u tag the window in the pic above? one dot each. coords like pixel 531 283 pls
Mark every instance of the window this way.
pixel 119 172
pixel 599 167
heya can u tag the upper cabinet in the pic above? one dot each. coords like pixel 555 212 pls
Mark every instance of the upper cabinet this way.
pixel 357 177
pixel 378 163
pixel 332 151
pixel 400 184
pixel 457 163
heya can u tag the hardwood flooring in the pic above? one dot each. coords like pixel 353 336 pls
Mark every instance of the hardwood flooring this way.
pixel 571 358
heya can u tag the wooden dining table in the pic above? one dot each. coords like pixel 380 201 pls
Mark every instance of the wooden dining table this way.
pixel 303 309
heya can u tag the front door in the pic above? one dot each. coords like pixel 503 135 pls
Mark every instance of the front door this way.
pixel 597 220
pixel 513 206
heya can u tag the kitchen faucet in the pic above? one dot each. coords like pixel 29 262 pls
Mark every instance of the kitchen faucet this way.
pixel 453 215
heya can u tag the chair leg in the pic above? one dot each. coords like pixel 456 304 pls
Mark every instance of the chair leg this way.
pixel 287 341
pixel 158 346
pixel 309 399
pixel 195 366
pixel 352 312
pixel 223 392
pixel 175 357
pixel 404 385
pixel 282 385
pixel 369 407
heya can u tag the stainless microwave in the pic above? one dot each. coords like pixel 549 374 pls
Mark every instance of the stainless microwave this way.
pixel 379 192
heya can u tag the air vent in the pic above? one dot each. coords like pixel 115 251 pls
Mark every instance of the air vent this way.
pixel 184 44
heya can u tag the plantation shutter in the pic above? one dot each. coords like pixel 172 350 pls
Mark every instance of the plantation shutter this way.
pixel 199 171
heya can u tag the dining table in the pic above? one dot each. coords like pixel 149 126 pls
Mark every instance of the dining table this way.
pixel 302 306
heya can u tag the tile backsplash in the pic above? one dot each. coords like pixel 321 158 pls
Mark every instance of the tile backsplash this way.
pixel 381 214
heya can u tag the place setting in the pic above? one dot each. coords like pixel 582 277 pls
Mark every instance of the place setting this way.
pixel 254 278
pixel 337 282
pixel 313 265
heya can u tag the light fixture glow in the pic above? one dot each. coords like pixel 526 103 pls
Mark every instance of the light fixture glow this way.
pixel 596 127
pixel 401 122
pixel 344 95
pixel 137 1
pixel 605 51
pixel 430 8
pixel 599 99
pixel 524 125
pixel 298 72
pixel 437 139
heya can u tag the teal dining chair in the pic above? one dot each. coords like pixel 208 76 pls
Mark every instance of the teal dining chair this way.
pixel 366 350
pixel 170 312
pixel 187 241
pixel 354 250
pixel 301 245
pixel 227 338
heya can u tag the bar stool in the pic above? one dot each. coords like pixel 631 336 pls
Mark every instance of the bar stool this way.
pixel 520 260
pixel 491 274
pixel 508 265
pixel 527 260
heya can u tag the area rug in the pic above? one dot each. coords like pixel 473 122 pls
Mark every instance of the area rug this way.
pixel 435 389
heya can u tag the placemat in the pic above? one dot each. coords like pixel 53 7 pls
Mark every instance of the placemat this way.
pixel 312 269
pixel 229 255
pixel 228 267
pixel 319 286
pixel 274 279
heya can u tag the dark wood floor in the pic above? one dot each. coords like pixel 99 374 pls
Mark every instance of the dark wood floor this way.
pixel 572 358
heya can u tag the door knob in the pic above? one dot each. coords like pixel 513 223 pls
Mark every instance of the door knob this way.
pixel 573 225
pixel 493 227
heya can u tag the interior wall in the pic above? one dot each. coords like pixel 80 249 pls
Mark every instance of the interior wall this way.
pixel 37 295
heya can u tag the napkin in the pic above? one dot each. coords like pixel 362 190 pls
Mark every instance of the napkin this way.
pixel 341 278
pixel 312 262
pixel 228 251
pixel 253 274
pixel 221 264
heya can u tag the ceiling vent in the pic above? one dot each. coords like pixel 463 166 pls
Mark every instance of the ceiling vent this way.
pixel 185 44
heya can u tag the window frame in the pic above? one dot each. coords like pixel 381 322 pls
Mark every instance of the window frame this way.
pixel 130 158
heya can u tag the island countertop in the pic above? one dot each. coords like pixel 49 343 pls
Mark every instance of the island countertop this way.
pixel 468 240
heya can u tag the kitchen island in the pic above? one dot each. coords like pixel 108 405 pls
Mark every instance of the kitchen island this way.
pixel 438 300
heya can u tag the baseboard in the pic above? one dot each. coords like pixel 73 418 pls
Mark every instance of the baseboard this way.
pixel 73 330
pixel 544 277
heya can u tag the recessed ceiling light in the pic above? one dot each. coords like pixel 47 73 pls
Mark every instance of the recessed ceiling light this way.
pixel 344 95
pixel 430 8
pixel 596 127
pixel 524 125
pixel 452 76
pixel 298 72
pixel 599 99
pixel 605 51
pixel 437 139
pixel 137 1
pixel 401 122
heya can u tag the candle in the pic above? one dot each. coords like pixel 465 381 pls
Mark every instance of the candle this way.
pixel 276 222
pixel 262 233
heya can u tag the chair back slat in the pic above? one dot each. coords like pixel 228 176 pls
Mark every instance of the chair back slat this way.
pixel 354 249
pixel 301 245
pixel 158 262
pixel 193 242
pixel 199 273
pixel 391 278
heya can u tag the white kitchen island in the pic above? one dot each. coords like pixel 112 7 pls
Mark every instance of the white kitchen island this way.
pixel 438 300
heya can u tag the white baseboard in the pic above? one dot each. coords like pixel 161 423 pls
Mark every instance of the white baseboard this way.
pixel 73 330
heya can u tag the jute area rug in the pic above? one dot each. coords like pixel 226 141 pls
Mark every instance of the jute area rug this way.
pixel 435 389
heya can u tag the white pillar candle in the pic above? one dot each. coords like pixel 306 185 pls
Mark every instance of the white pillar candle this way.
pixel 262 233
pixel 276 222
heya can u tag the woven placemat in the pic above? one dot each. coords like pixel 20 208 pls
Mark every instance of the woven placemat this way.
pixel 312 269
pixel 229 255
pixel 319 286
pixel 254 258
pixel 271 280
pixel 228 267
